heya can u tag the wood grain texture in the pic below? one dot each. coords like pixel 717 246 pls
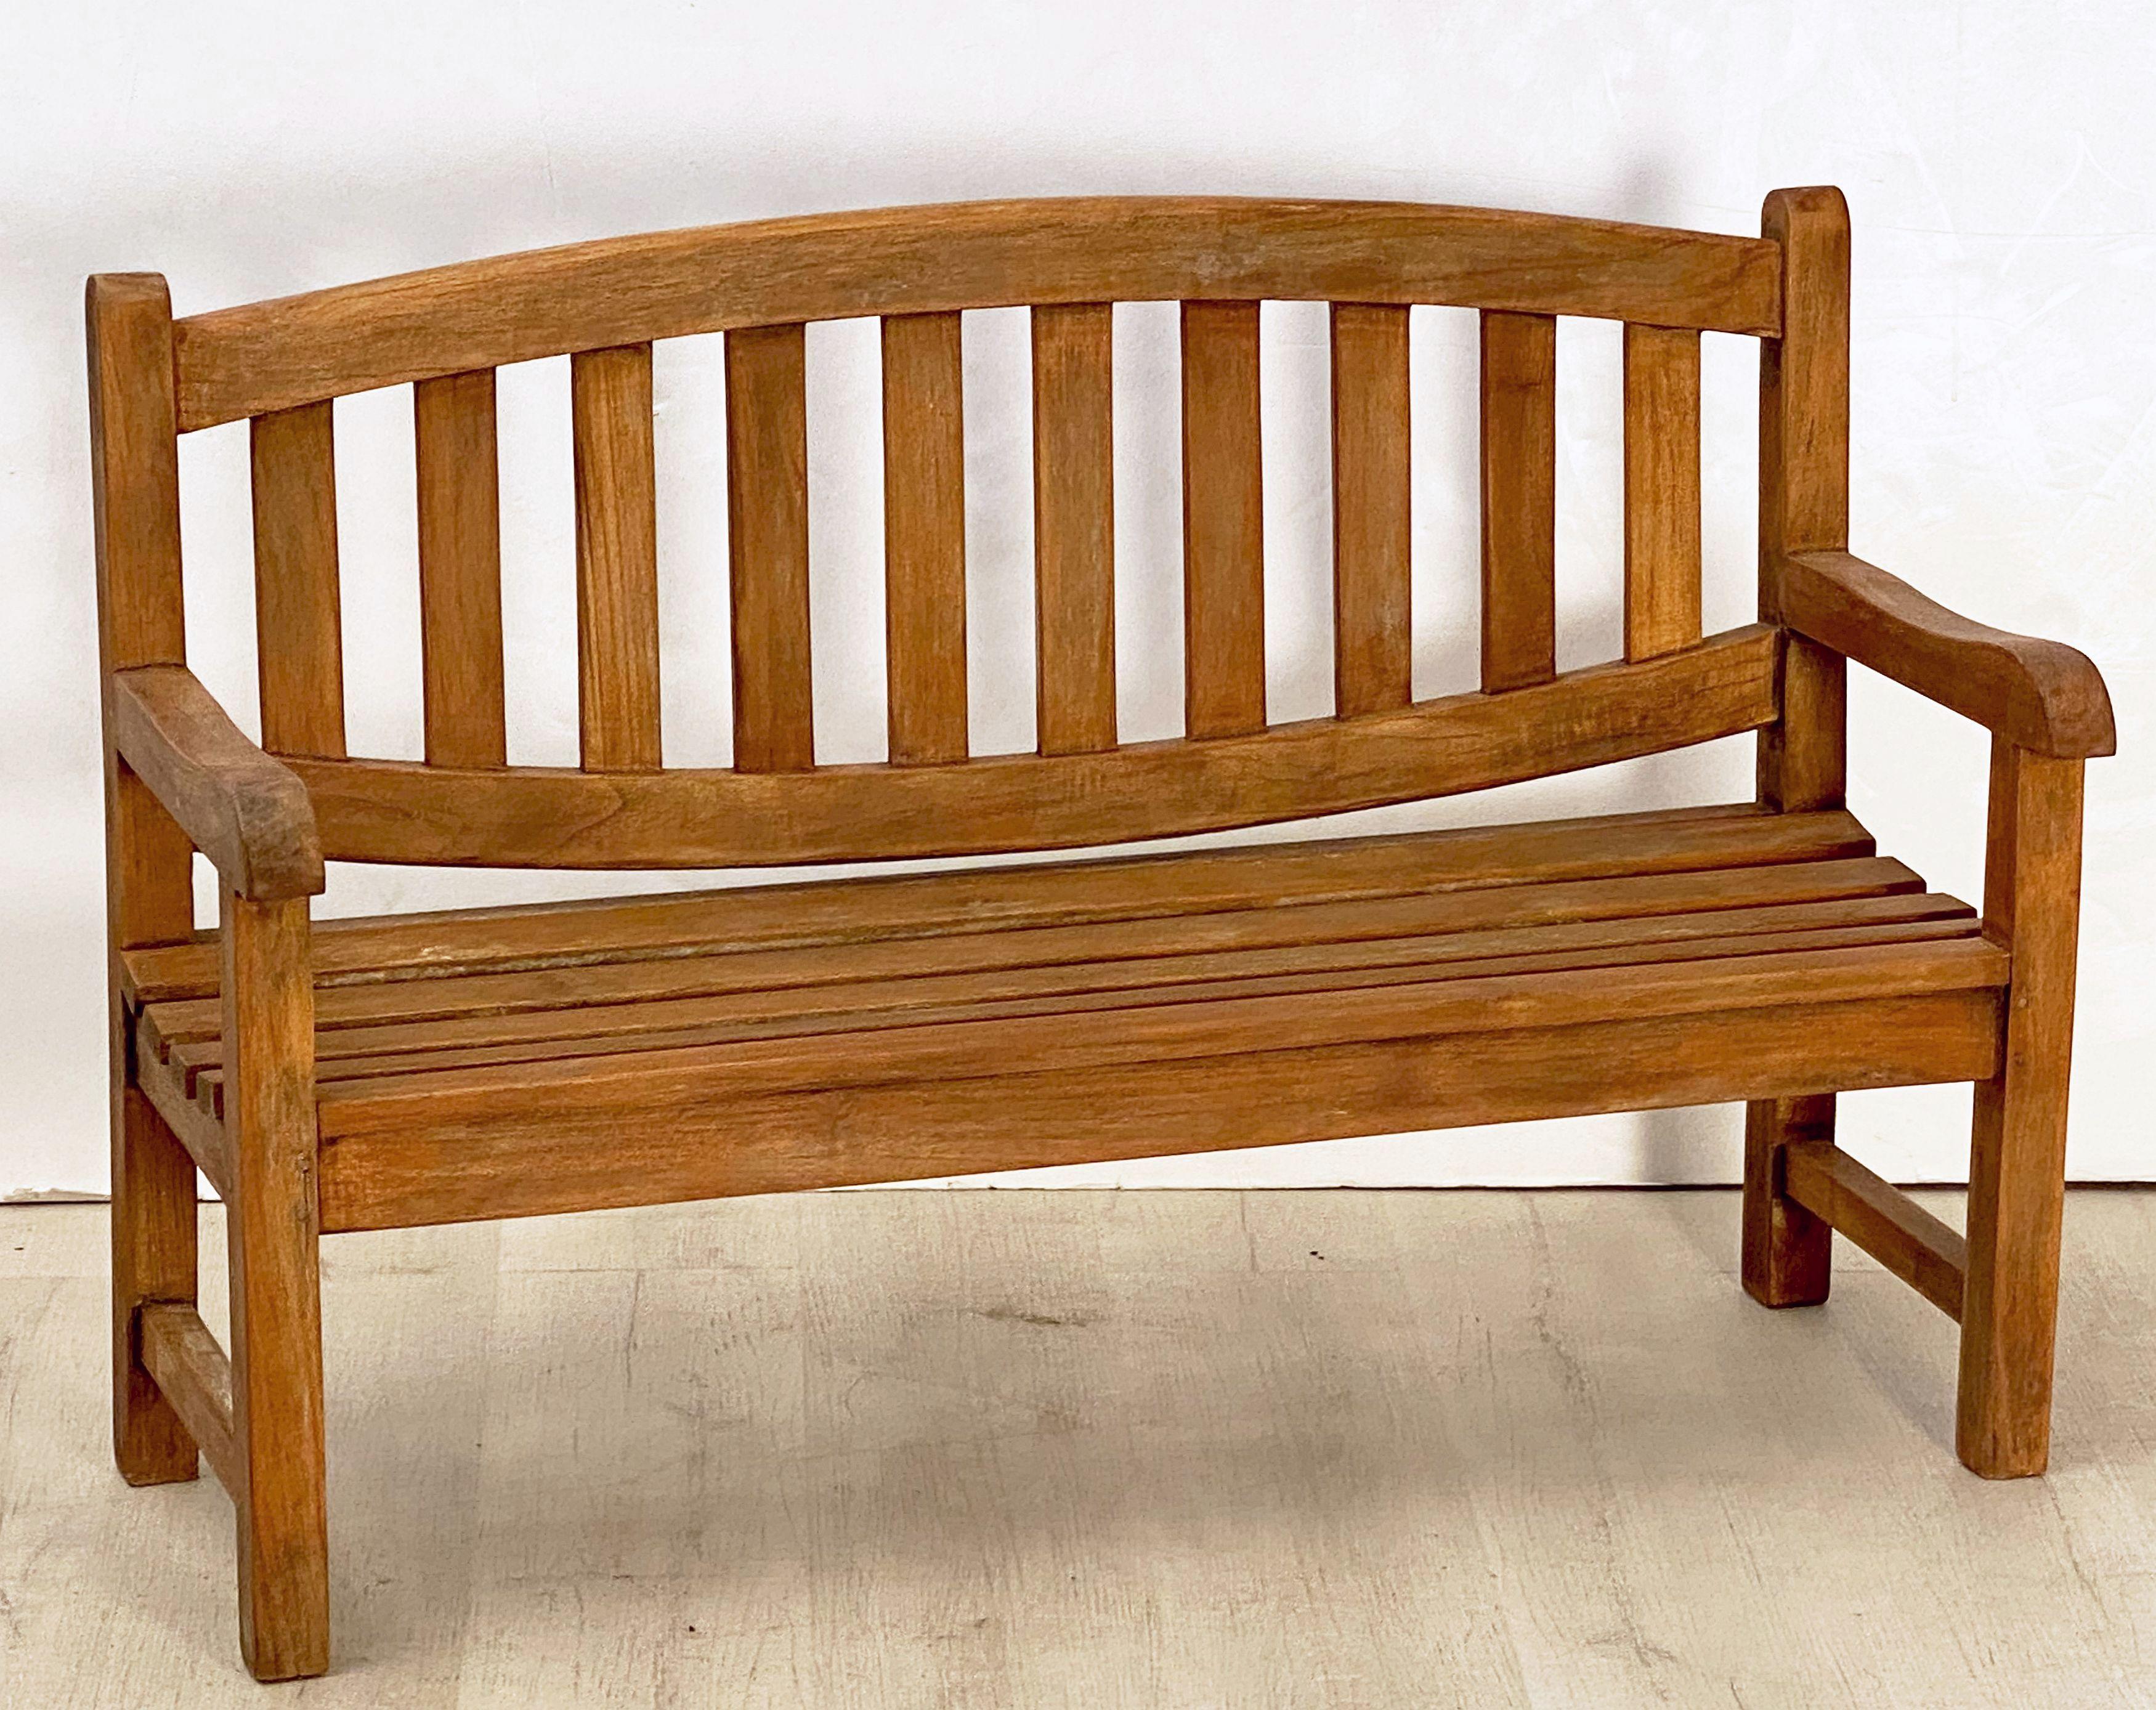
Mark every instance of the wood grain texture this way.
pixel 831 986
pixel 2032 875
pixel 161 1078
pixel 240 361
pixel 194 1374
pixel 965 1041
pixel 149 884
pixel 459 494
pixel 1224 542
pixel 298 622
pixel 1519 500
pixel 135 471
pixel 540 1020
pixel 246 811
pixel 767 534
pixel 1916 1247
pixel 866 912
pixel 1787 1252
pixel 378 1171
pixel 1803 756
pixel 1634 902
pixel 388 810
pixel 274 1241
pixel 1073 527
pixel 924 488
pixel 1804 484
pixel 1372 630
pixel 2042 697
pixel 153 1259
pixel 616 560
pixel 1661 489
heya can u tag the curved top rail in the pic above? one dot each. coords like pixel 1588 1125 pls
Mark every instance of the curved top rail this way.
pixel 291 351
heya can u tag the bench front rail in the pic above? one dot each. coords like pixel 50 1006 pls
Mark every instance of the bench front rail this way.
pixel 348 1075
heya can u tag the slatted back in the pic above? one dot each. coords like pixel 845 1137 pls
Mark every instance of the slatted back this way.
pixel 919 270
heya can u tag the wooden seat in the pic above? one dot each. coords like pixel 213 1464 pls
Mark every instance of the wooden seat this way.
pixel 448 1046
pixel 341 1075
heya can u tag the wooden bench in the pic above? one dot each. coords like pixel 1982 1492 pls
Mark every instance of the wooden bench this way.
pixel 370 1074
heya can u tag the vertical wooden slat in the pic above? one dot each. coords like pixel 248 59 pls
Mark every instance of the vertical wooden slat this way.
pixel 149 893
pixel 299 635
pixel 1224 549
pixel 2032 880
pixel 1661 489
pixel 924 487
pixel 767 534
pixel 274 1240
pixel 1372 632
pixel 452 420
pixel 616 559
pixel 1074 525
pixel 1519 499
pixel 1803 485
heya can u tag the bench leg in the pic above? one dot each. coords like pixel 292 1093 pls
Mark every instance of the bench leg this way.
pixel 2018 1150
pixel 153 1259
pixel 1787 1251
pixel 274 1233
pixel 2016 1196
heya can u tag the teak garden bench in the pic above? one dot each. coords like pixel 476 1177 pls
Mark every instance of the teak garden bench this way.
pixel 371 1074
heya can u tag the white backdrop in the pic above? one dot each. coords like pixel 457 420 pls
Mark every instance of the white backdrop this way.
pixel 1999 158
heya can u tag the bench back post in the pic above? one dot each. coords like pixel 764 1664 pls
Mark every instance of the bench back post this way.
pixel 1804 484
pixel 134 442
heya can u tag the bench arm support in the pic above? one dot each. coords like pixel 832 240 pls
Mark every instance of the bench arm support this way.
pixel 2040 696
pixel 248 813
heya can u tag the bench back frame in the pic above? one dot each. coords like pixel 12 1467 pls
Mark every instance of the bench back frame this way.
pixel 282 364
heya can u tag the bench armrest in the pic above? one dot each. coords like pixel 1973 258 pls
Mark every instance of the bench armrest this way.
pixel 249 814
pixel 2041 696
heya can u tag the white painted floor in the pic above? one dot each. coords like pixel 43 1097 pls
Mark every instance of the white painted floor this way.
pixel 1035 1448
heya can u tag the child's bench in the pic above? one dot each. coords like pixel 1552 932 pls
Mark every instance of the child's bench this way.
pixel 370 1074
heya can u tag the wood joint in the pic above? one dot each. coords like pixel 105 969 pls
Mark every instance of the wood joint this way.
pixel 193 1369
pixel 1880 1218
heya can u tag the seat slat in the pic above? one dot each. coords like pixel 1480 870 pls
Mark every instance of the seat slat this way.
pixel 1372 626
pixel 987 1044
pixel 1661 490
pixel 459 493
pixel 767 535
pixel 924 460
pixel 1073 527
pixel 1519 499
pixel 300 642
pixel 616 560
pixel 1058 893
pixel 768 984
pixel 1224 549
pixel 1497 1003
pixel 1265 926
pixel 589 1029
